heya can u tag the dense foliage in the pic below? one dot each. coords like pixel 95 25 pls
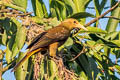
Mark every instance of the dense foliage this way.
pixel 94 46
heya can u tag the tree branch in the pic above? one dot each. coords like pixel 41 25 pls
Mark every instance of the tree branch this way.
pixel 83 51
pixel 96 19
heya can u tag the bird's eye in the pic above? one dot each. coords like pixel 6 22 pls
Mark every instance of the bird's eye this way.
pixel 74 21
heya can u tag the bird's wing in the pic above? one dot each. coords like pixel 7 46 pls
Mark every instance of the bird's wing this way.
pixel 36 39
pixel 52 35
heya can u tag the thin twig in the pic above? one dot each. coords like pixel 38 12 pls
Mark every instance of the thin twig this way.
pixel 111 17
pixel 96 19
pixel 83 50
pixel 14 12
pixel 7 67
pixel 24 14
pixel 14 15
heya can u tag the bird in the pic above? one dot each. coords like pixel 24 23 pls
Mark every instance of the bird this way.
pixel 51 39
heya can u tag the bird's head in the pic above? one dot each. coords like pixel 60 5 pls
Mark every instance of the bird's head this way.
pixel 72 23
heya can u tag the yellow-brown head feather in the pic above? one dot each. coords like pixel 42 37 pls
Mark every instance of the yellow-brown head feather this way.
pixel 72 23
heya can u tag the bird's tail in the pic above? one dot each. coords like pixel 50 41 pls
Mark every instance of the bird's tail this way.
pixel 24 58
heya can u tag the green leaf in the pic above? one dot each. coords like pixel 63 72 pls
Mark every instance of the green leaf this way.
pixel 9 49
pixel 53 12
pixel 93 30
pixel 15 50
pixel 68 44
pixel 63 12
pixel 85 65
pixel 21 71
pixel 20 37
pixel 93 67
pixel 81 15
pixel 100 40
pixel 117 42
pixel 83 76
pixel 53 70
pixel 118 68
pixel 39 8
pixel 111 35
pixel 4 38
pixel 70 6
pixel 80 7
pixel 102 5
pixel 119 36
pixel 62 9
pixel 97 47
pixel 8 54
pixel 16 22
pixel 58 13
pixel 56 7
pixel 13 6
pixel 5 24
pixel 112 23
pixel 97 9
pixel 45 10
pixel 43 68
pixel 20 3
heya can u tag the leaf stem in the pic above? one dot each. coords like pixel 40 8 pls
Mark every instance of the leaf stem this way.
pixel 111 17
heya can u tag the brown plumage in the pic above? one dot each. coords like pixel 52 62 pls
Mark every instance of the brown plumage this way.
pixel 51 38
